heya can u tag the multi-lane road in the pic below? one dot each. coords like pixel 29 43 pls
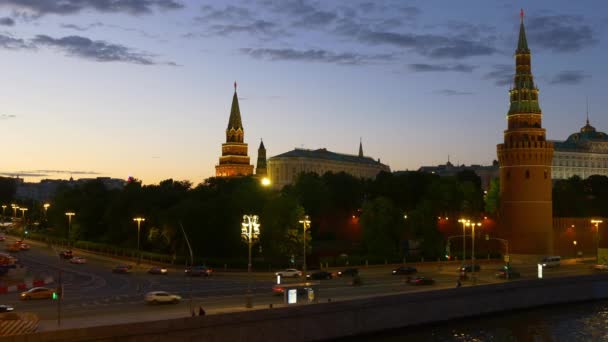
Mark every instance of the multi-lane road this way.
pixel 93 295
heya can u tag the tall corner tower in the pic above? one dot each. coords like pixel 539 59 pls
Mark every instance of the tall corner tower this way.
pixel 234 160
pixel 260 169
pixel 526 216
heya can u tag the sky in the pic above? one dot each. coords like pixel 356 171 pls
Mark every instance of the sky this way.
pixel 143 88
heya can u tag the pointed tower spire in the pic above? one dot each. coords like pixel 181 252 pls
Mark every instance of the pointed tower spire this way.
pixel 587 111
pixel 522 44
pixel 235 113
pixel 261 165
pixel 360 148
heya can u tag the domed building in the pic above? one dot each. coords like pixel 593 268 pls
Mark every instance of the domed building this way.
pixel 583 154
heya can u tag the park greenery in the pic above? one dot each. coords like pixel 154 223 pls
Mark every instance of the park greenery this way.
pixel 390 211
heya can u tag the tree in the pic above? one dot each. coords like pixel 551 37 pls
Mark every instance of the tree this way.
pixel 383 227
pixel 493 197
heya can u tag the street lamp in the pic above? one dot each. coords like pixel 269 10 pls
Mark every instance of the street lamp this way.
pixel 250 232
pixel 266 182
pixel 23 210
pixel 46 207
pixel 597 242
pixel 472 225
pixel 464 238
pixel 3 208
pixel 305 225
pixel 15 207
pixel 69 214
pixel 139 220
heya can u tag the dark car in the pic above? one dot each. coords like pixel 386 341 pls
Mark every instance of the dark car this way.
pixel 319 275
pixel 348 272
pixel 198 271
pixel 121 269
pixel 469 268
pixel 67 254
pixel 158 270
pixel 507 273
pixel 421 281
pixel 6 308
pixel 404 270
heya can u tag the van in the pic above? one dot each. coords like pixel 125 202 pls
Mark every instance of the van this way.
pixel 551 261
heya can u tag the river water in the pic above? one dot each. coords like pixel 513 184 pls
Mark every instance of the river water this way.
pixel 569 322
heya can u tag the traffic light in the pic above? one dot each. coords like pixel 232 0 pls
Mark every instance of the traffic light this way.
pixel 26 232
pixel 54 295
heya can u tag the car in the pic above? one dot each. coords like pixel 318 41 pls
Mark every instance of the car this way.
pixel 198 271
pixel 348 272
pixel 551 261
pixel 421 281
pixel 24 247
pixel 289 273
pixel 78 260
pixel 37 293
pixel 158 270
pixel 600 267
pixel 302 289
pixel 161 297
pixel 469 268
pixel 67 254
pixel 319 275
pixel 121 269
pixel 404 270
pixel 507 273
pixel 6 308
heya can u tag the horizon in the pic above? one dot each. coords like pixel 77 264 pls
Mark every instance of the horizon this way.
pixel 143 88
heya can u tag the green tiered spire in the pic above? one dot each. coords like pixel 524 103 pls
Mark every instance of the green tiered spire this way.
pixel 235 113
pixel 524 94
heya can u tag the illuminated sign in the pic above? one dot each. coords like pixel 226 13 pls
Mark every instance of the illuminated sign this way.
pixel 292 296
pixel 540 271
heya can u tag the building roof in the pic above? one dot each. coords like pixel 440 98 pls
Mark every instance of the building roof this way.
pixel 235 114
pixel 583 140
pixel 522 43
pixel 323 153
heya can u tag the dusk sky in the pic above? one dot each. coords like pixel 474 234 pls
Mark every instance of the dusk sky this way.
pixel 143 88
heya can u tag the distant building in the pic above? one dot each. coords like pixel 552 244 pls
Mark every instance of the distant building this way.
pixel 46 189
pixel 583 154
pixel 283 169
pixel 234 160
pixel 485 172
pixel 260 168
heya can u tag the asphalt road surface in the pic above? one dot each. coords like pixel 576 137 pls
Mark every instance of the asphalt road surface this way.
pixel 93 295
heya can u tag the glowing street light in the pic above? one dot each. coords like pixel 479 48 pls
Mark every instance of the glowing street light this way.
pixel 46 207
pixel 472 225
pixel 305 225
pixel 250 232
pixel 139 220
pixel 15 207
pixel 3 208
pixel 464 238
pixel 266 182
pixel 69 214
pixel 23 210
pixel 597 240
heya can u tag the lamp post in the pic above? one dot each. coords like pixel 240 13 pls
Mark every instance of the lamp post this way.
pixel 15 207
pixel 305 225
pixel 46 207
pixel 464 222
pixel 139 220
pixel 23 210
pixel 69 214
pixel 597 240
pixel 250 232
pixel 265 182
pixel 472 225
pixel 3 208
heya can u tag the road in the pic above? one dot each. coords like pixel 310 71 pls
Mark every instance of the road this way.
pixel 93 295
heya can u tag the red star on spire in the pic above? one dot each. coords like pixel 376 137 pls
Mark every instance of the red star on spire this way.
pixel 521 13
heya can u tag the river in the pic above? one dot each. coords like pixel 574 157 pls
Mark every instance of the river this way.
pixel 568 322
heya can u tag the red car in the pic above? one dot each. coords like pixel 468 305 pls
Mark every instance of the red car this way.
pixel 121 269
pixel 421 281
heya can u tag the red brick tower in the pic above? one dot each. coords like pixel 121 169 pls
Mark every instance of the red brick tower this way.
pixel 525 165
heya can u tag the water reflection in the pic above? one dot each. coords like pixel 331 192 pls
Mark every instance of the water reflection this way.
pixel 568 322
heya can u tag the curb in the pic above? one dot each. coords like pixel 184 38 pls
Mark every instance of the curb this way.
pixel 28 284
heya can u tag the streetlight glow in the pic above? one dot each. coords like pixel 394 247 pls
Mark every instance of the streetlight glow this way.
pixel 69 214
pixel 139 220
pixel 464 238
pixel 266 181
pixel 250 232
pixel 306 225
pixel 597 239
pixel 472 225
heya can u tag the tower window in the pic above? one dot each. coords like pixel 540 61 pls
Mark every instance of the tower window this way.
pixel 527 173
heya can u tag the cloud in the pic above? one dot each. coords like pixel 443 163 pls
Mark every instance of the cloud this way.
pixel 81 28
pixel 46 173
pixel 441 67
pixel 6 21
pixel 260 27
pixel 569 77
pixel 323 56
pixel 430 45
pixel 97 50
pixel 7 116
pixel 451 92
pixel 10 43
pixel 501 75
pixel 560 33
pixel 37 8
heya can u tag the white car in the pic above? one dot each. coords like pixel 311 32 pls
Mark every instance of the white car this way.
pixel 601 267
pixel 160 297
pixel 78 260
pixel 290 272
